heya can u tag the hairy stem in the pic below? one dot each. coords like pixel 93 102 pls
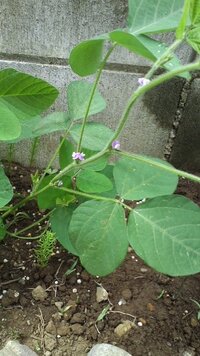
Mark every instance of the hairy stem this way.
pixel 92 95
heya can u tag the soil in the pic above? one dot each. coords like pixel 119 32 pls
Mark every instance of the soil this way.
pixel 162 314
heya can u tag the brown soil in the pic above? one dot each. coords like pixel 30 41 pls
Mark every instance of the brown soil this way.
pixel 164 315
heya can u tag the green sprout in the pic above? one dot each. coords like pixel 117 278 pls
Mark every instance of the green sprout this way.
pixel 45 248
pixel 198 305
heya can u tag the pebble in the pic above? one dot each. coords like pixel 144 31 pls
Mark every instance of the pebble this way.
pixel 59 305
pixel 107 350
pixel 77 329
pixel 78 318
pixel 63 329
pixel 101 294
pixel 51 328
pixel 14 348
pixel 10 298
pixel 50 342
pixel 124 328
pixel 127 294
pixel 39 293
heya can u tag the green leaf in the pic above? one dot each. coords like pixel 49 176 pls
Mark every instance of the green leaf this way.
pixel 93 182
pixel 164 232
pixel 65 154
pixel 193 38
pixel 52 196
pixel 6 190
pixel 180 31
pixel 154 16
pixel 38 126
pixel 10 127
pixel 95 137
pixel 98 233
pixel 60 219
pixel 78 96
pixel 108 172
pixel 137 180
pixel 195 12
pixel 86 57
pixel 145 47
pixel 25 96
pixel 99 164
pixel 2 230
pixel 56 121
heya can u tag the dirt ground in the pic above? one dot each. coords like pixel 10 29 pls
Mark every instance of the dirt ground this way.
pixel 158 314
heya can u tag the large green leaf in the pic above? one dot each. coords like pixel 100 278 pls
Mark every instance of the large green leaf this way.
pixel 6 190
pixel 98 233
pixel 10 127
pixel 38 126
pixel 24 95
pixel 146 47
pixel 65 154
pixel 78 96
pixel 86 57
pixel 165 233
pixel 60 219
pixel 93 182
pixel 52 196
pixel 95 137
pixel 193 38
pixel 154 16
pixel 2 230
pixel 56 121
pixel 136 180
pixel 195 12
pixel 180 31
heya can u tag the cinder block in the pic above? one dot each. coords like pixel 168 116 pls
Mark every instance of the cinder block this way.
pixel 51 28
pixel 186 150
pixel 147 128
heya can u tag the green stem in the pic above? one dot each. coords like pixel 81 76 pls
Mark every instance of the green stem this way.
pixel 94 197
pixel 163 59
pixel 160 165
pixel 34 149
pixel 35 223
pixel 53 158
pixel 92 95
pixel 142 90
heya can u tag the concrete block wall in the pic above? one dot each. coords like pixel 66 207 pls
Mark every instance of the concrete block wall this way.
pixel 37 37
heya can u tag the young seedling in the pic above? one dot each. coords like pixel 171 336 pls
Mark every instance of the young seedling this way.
pixel 198 305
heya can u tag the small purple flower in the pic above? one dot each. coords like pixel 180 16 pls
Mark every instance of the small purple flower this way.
pixel 116 145
pixel 143 81
pixel 78 155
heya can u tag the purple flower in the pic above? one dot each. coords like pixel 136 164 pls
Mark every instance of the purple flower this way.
pixel 143 81
pixel 78 155
pixel 116 145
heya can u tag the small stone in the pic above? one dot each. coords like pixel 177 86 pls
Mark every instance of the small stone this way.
pixel 51 328
pixel 143 270
pixel 13 347
pixel 59 305
pixel 77 329
pixel 127 294
pixel 39 293
pixel 63 329
pixel 101 294
pixel 47 353
pixel 150 307
pixel 194 322
pixel 107 350
pixel 124 328
pixel 10 298
pixel 142 320
pixel 78 318
pixel 50 342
